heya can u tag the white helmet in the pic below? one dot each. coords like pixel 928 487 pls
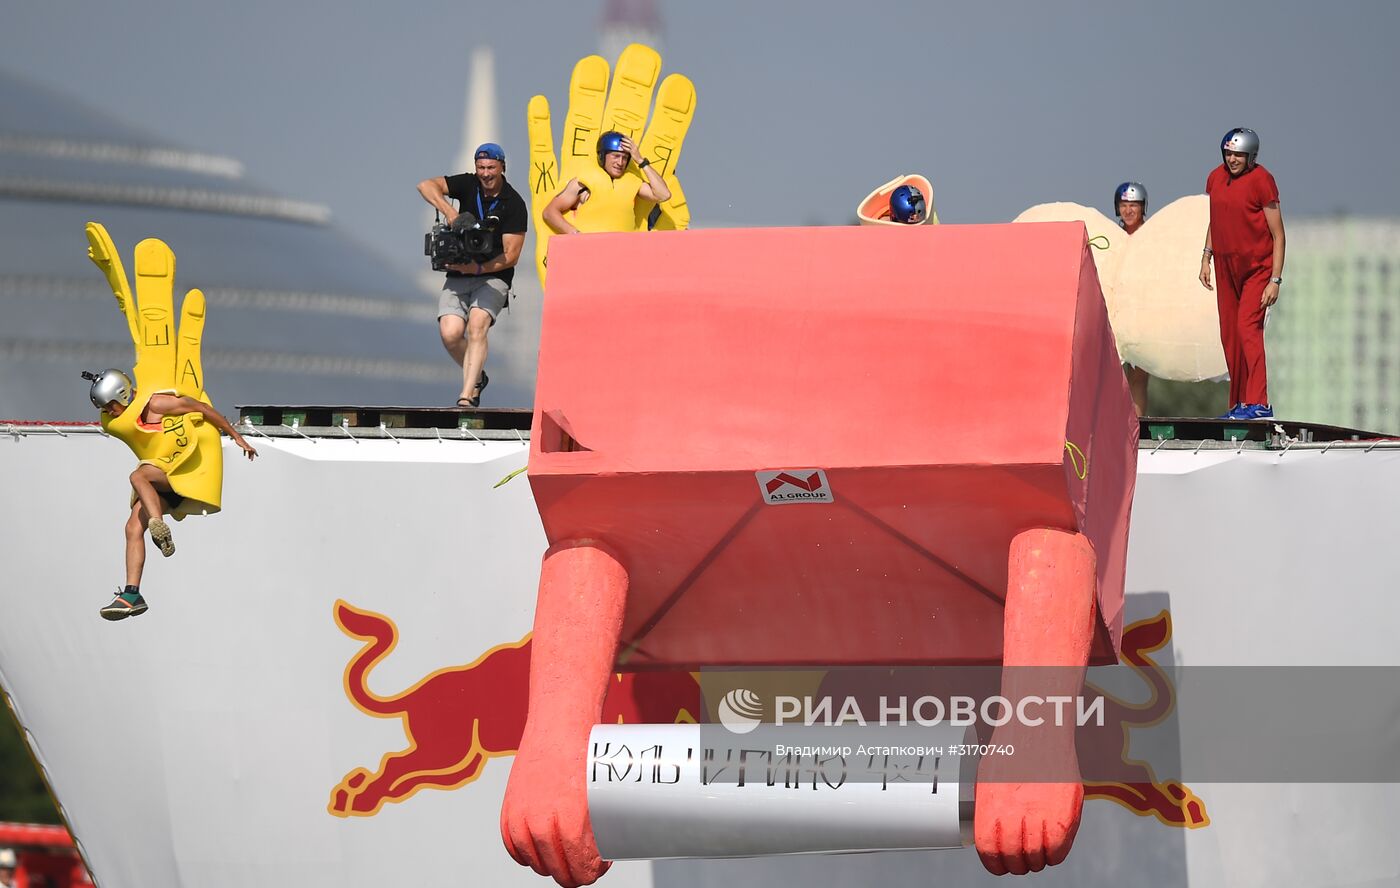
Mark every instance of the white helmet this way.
pixel 1245 141
pixel 7 859
pixel 108 386
pixel 1129 191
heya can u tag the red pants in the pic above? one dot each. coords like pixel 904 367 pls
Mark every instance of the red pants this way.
pixel 1239 285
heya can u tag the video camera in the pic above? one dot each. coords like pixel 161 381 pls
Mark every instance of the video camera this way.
pixel 464 239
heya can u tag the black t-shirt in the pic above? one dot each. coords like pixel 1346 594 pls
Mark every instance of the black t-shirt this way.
pixel 507 205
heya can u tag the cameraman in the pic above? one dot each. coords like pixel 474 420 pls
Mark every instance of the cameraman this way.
pixel 475 292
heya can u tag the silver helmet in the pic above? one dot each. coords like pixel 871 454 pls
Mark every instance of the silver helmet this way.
pixel 108 386
pixel 1131 191
pixel 1245 141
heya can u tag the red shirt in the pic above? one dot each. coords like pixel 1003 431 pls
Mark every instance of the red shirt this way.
pixel 1237 224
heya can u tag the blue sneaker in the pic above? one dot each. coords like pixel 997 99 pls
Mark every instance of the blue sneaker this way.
pixel 1256 411
pixel 1233 413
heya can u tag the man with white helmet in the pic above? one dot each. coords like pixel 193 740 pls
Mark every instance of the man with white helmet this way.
pixel 153 496
pixel 1130 205
pixel 8 864
pixel 1245 240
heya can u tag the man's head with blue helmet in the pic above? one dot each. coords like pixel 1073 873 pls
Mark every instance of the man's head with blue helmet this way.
pixel 614 152
pixel 907 205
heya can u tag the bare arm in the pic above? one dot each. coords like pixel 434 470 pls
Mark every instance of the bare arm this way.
pixel 434 191
pixel 511 245
pixel 655 187
pixel 1273 215
pixel 171 404
pixel 1206 255
pixel 564 202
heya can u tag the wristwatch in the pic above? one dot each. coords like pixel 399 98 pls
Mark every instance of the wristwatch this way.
pixel 644 164
pixel 1275 280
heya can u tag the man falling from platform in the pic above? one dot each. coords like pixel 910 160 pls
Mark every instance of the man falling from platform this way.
pixel 165 417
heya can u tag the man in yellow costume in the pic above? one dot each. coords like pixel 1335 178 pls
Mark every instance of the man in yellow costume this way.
pixel 603 189
pixel 165 416
pixel 605 198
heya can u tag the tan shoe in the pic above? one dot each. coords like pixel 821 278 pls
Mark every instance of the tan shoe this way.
pixel 160 535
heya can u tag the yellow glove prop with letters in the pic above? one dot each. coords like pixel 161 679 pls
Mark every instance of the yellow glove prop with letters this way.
pixel 595 109
pixel 185 447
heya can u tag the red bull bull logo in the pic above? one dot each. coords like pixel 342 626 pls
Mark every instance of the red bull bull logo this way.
pixel 1172 803
pixel 458 718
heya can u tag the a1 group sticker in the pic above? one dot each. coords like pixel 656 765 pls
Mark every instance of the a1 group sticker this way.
pixel 794 486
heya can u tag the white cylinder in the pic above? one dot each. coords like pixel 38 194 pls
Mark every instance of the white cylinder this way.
pixel 659 791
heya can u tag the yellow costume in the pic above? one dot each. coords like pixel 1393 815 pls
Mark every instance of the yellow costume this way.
pixel 183 446
pixel 593 110
pixel 611 202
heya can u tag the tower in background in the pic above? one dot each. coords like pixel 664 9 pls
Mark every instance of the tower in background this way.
pixel 479 120
pixel 479 124
pixel 628 21
pixel 515 343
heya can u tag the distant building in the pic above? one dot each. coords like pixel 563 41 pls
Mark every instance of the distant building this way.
pixel 628 21
pixel 1334 337
pixel 298 312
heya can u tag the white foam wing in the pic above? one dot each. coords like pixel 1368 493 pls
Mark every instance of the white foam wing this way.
pixel 1164 321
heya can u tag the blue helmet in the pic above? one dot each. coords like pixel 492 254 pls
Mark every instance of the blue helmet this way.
pixel 907 205
pixel 609 141
pixel 490 151
pixel 1129 191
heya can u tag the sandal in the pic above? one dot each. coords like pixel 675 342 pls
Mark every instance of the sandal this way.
pixel 481 384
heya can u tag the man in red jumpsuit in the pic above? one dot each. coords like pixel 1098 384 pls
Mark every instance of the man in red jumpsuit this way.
pixel 1245 238
pixel 1130 205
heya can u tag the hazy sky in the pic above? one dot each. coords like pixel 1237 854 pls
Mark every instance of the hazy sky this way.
pixel 803 105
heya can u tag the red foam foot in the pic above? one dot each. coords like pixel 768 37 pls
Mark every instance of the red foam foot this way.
pixel 1024 827
pixel 1029 803
pixel 578 621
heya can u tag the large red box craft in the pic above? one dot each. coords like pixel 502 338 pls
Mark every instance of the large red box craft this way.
pixel 814 446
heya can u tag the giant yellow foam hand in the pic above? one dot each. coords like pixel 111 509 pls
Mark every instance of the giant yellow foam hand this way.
pixel 594 109
pixel 1163 319
pixel 167 360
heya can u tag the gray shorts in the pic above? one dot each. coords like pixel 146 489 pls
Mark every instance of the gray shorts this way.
pixel 461 294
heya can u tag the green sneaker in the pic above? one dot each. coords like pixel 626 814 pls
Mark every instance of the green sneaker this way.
pixel 128 603
pixel 160 535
